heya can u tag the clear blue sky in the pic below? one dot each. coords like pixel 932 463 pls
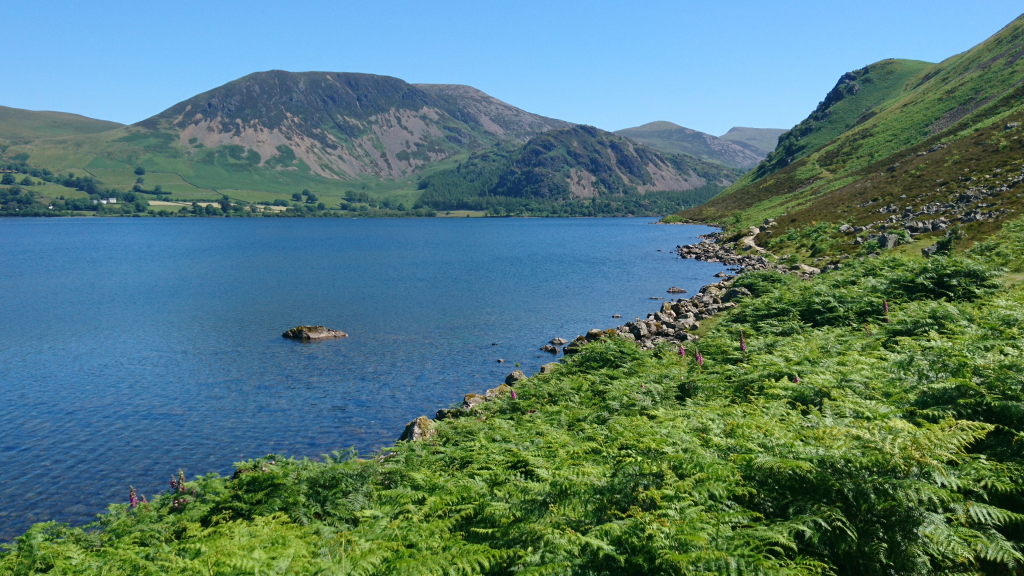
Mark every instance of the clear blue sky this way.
pixel 707 65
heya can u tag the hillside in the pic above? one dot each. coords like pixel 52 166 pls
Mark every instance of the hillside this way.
pixel 675 139
pixel 901 150
pixel 761 141
pixel 574 171
pixel 22 126
pixel 272 134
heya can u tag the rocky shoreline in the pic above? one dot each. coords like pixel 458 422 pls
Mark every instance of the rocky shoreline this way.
pixel 676 321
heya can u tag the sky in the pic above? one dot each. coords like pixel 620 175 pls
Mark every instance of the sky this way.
pixel 707 65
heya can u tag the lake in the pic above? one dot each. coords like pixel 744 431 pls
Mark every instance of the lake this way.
pixel 131 348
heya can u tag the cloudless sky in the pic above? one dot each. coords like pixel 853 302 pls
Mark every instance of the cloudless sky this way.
pixel 707 65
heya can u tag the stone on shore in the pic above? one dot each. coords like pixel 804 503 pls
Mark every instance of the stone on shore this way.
pixel 419 429
pixel 308 333
pixel 515 376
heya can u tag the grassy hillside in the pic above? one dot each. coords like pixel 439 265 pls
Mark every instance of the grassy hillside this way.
pixel 760 140
pixel 899 148
pixel 578 171
pixel 865 422
pixel 675 139
pixel 20 126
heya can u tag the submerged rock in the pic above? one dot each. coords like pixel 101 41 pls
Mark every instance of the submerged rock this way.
pixel 307 333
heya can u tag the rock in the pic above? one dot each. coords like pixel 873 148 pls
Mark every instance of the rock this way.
pixel 808 270
pixel 886 241
pixel 558 341
pixel 664 317
pixel 549 348
pixel 445 413
pixel 676 290
pixel 734 294
pixel 470 401
pixel 515 376
pixel 549 367
pixel 419 429
pixel 845 229
pixel 497 392
pixel 639 330
pixel 501 360
pixel 574 346
pixel 308 333
pixel 616 315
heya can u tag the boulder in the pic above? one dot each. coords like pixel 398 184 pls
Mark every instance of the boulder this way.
pixel 470 401
pixel 676 290
pixel 419 429
pixel 308 333
pixel 498 391
pixel 515 376
pixel 549 348
pixel 549 367
pixel 558 342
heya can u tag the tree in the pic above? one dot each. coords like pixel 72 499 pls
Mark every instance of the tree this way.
pixel 7 180
pixel 139 171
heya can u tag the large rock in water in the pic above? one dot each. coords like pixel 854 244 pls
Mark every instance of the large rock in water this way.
pixel 307 333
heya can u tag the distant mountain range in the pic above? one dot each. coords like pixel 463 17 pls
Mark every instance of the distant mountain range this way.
pixel 349 139
pixel 903 148
pixel 581 163
pixel 739 148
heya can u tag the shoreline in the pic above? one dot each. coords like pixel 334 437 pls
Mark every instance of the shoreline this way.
pixel 676 321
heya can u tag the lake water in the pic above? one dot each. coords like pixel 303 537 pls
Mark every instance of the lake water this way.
pixel 130 348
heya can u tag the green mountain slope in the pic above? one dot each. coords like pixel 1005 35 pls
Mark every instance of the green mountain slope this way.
pixel 271 134
pixel 675 139
pixel 761 141
pixel 579 169
pixel 21 126
pixel 899 148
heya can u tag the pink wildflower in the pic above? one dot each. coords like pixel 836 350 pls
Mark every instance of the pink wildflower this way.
pixel 682 352
pixel 513 394
pixel 796 379
pixel 133 498
pixel 743 342
pixel 700 358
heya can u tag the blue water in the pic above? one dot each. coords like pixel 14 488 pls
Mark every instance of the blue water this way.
pixel 130 348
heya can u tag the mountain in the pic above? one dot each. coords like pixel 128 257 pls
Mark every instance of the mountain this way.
pixel 899 147
pixel 580 166
pixel 344 125
pixel 269 135
pixel 672 138
pixel 21 126
pixel 761 141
